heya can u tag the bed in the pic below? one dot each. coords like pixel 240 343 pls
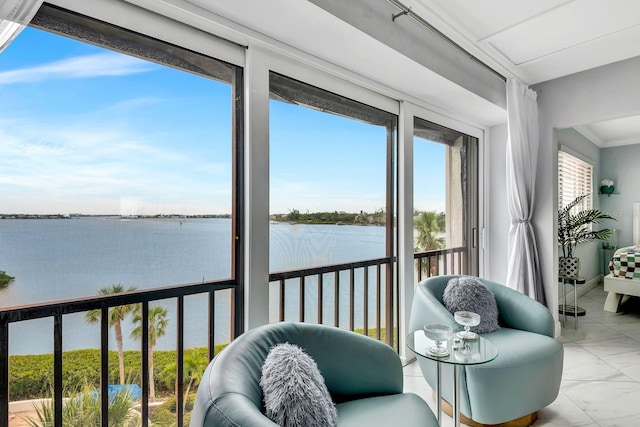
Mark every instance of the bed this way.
pixel 623 280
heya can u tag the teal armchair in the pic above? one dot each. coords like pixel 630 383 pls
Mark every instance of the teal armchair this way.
pixel 363 376
pixel 526 375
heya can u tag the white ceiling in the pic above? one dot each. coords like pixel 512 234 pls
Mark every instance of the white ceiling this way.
pixel 301 26
pixel 541 40
pixel 612 133
pixel 534 41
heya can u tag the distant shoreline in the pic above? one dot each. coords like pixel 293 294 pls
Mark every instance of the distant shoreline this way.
pixel 316 218
pixel 116 216
pixel 377 218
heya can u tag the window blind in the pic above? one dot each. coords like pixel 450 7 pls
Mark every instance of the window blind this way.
pixel 574 179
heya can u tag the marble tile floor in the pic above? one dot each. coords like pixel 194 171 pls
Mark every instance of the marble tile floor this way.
pixel 601 375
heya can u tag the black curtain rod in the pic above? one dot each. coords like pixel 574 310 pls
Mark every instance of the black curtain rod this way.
pixel 407 11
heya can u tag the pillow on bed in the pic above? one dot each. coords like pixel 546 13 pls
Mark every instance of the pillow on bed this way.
pixel 470 294
pixel 295 394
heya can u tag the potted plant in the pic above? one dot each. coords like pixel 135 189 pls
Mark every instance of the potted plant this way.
pixel 607 186
pixel 574 229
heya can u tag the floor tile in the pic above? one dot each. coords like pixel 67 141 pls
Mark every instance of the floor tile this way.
pixel 602 400
pixel 563 412
pixel 576 358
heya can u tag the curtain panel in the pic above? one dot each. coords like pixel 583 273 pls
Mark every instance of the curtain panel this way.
pixel 523 269
pixel 14 16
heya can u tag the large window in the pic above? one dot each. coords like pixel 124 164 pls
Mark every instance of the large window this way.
pixel 331 194
pixel 574 180
pixel 117 164
pixel 445 200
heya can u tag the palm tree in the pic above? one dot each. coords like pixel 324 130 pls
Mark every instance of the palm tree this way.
pixel 428 225
pixel 157 328
pixel 116 316
pixel 194 367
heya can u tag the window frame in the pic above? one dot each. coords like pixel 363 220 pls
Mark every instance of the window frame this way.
pixel 82 24
pixel 470 196
pixel 284 87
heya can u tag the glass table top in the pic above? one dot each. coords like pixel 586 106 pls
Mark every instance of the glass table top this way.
pixel 460 352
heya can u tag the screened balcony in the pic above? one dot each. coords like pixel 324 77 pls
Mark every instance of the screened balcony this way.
pixel 186 179
pixel 354 275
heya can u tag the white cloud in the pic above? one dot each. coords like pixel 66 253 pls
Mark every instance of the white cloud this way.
pixel 135 104
pixel 91 167
pixel 98 65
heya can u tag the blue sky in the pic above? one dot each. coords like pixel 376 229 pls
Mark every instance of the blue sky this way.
pixel 91 131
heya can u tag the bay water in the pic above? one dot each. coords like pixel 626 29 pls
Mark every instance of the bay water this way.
pixel 58 259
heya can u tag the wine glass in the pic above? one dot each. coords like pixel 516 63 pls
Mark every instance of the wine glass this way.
pixel 467 319
pixel 438 333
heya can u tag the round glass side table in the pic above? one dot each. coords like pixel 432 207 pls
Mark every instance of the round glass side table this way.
pixel 465 353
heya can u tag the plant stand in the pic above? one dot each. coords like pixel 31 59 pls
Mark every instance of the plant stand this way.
pixel 571 310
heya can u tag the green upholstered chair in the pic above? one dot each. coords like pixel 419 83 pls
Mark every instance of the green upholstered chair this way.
pixel 524 378
pixel 364 377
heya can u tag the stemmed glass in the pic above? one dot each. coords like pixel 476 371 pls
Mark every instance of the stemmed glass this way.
pixel 467 319
pixel 438 333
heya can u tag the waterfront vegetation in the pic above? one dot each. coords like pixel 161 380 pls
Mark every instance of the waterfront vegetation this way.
pixel 5 279
pixel 429 224
pixel 340 218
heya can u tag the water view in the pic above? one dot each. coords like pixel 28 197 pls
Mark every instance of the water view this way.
pixel 57 259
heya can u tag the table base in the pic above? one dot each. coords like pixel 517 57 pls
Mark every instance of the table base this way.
pixel 570 310
pixel 564 307
pixel 525 421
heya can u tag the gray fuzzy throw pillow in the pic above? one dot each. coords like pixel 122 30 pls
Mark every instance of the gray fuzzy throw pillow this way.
pixel 470 294
pixel 295 394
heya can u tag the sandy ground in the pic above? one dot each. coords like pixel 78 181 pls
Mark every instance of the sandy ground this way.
pixel 18 419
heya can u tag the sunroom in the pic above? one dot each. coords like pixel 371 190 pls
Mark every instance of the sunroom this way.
pixel 219 166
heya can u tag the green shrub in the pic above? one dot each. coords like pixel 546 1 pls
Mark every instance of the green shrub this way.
pixel 165 414
pixel 5 279
pixel 31 376
pixel 84 410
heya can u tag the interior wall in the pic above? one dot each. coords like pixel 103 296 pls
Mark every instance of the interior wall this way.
pixel 497 233
pixel 602 93
pixel 621 165
pixel 590 254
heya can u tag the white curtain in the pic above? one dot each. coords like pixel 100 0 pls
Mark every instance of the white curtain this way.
pixel 14 15
pixel 523 269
